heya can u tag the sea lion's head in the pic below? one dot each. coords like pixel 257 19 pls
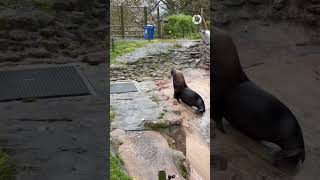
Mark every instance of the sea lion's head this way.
pixel 173 72
pixel 178 79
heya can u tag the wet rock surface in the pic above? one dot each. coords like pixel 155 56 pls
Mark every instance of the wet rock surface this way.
pixel 228 12
pixel 154 110
pixel 147 149
pixel 52 31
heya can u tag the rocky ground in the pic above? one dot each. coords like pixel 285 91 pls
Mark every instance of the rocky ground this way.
pixel 152 114
pixel 61 138
pixel 228 12
pixel 158 65
pixel 63 32
pixel 283 58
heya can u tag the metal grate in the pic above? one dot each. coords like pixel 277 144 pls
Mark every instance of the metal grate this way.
pixel 123 87
pixel 42 83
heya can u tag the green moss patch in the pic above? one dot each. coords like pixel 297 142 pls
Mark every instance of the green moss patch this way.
pixel 112 115
pixel 183 169
pixel 7 169
pixel 155 125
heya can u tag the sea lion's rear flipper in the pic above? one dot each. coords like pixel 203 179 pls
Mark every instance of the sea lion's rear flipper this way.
pixel 219 123
pixel 217 118
pixel 200 111
pixel 220 126
pixel 295 155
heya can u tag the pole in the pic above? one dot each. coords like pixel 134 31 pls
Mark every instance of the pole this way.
pixel 145 16
pixel 112 45
pixel 162 175
pixel 122 21
pixel 159 23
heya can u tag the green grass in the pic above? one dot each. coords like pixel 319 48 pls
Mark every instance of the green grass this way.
pixel 125 46
pixel 7 169
pixel 183 170
pixel 156 99
pixel 161 116
pixel 194 36
pixel 112 115
pixel 116 170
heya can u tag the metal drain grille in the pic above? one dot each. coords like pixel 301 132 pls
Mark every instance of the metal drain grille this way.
pixel 42 83
pixel 123 87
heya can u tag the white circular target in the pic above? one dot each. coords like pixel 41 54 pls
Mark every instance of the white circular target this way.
pixel 196 19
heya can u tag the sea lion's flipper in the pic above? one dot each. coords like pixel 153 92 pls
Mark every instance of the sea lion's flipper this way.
pixel 220 126
pixel 177 96
pixel 217 117
pixel 200 111
pixel 295 155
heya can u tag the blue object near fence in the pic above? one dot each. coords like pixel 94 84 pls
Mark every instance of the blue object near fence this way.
pixel 148 31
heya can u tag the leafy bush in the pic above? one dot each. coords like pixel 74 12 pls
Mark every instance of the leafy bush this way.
pixel 180 26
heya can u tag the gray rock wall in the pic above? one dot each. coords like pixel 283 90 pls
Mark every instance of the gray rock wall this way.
pixel 225 12
pixel 56 31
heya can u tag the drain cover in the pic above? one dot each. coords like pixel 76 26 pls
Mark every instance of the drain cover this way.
pixel 42 83
pixel 123 87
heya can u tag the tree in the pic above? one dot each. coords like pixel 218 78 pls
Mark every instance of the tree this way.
pixel 188 7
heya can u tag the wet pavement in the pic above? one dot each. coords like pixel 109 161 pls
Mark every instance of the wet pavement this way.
pixel 133 109
pixel 58 138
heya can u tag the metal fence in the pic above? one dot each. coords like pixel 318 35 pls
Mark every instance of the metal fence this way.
pixel 130 21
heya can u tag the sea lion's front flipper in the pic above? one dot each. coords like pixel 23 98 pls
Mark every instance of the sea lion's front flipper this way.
pixel 217 118
pixel 219 123
pixel 177 96
pixel 220 126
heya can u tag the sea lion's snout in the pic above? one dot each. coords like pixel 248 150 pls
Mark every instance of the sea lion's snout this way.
pixel 173 72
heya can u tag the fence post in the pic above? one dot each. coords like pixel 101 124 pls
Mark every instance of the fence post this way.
pixel 145 16
pixel 112 45
pixel 159 24
pixel 203 20
pixel 122 21
pixel 162 175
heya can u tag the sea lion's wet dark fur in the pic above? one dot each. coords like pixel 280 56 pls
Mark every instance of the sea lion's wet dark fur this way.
pixel 183 92
pixel 247 107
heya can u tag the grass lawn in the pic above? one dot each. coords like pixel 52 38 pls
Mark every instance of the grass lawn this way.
pixel 7 170
pixel 125 46
pixel 116 170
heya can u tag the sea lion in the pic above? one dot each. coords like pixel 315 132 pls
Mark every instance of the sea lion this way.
pixel 249 108
pixel 183 92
